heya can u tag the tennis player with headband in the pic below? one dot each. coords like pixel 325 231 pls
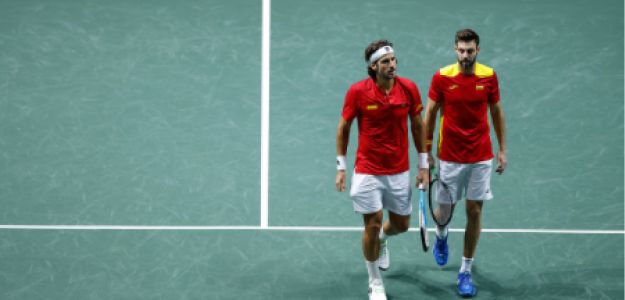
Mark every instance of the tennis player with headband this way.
pixel 464 92
pixel 382 103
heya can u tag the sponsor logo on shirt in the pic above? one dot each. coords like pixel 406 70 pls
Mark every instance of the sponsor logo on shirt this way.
pixel 452 87
pixel 479 87
pixel 372 107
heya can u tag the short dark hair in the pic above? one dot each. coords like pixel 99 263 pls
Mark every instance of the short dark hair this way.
pixel 374 46
pixel 467 35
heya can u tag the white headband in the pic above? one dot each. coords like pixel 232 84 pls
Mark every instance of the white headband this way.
pixel 379 53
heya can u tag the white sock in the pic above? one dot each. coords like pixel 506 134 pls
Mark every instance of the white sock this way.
pixel 441 232
pixel 374 271
pixel 466 265
pixel 383 235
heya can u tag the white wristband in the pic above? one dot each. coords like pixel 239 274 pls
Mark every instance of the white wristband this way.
pixel 423 161
pixel 340 163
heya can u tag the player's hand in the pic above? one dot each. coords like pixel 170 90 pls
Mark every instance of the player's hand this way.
pixel 502 162
pixel 423 178
pixel 340 180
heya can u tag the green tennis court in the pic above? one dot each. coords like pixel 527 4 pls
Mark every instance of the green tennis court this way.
pixel 132 166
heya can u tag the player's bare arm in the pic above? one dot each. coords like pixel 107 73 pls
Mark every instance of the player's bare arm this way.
pixel 417 128
pixel 499 124
pixel 431 111
pixel 342 139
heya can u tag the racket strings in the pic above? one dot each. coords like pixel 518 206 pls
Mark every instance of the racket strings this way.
pixel 440 209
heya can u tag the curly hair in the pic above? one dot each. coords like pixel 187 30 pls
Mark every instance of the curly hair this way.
pixel 374 46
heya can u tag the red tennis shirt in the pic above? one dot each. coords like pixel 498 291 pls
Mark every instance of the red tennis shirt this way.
pixel 464 135
pixel 382 124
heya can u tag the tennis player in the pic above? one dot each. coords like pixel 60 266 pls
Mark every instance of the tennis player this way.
pixel 382 103
pixel 465 92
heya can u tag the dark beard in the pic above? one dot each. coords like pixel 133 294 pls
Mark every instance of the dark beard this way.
pixel 467 65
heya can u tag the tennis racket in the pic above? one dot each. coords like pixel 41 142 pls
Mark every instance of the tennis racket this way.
pixel 441 209
pixel 425 241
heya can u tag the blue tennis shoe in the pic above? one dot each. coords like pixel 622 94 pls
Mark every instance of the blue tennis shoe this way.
pixel 466 288
pixel 441 251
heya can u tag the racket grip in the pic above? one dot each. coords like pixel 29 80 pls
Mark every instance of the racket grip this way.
pixel 421 186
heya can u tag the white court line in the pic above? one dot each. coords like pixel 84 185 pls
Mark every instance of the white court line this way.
pixel 282 228
pixel 264 116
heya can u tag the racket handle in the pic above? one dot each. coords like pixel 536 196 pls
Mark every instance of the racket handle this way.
pixel 421 186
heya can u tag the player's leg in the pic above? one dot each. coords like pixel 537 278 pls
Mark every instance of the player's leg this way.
pixel 473 228
pixel 367 200
pixel 370 249
pixel 370 238
pixel 466 287
pixel 478 190
pixel 396 224
pixel 397 200
pixel 452 177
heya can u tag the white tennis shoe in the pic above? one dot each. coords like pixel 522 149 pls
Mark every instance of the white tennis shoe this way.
pixel 376 290
pixel 384 260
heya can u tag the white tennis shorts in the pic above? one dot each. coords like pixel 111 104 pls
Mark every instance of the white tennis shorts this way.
pixel 372 193
pixel 471 180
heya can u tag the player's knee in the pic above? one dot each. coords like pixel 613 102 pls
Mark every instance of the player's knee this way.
pixel 474 212
pixel 401 227
pixel 373 229
pixel 373 223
